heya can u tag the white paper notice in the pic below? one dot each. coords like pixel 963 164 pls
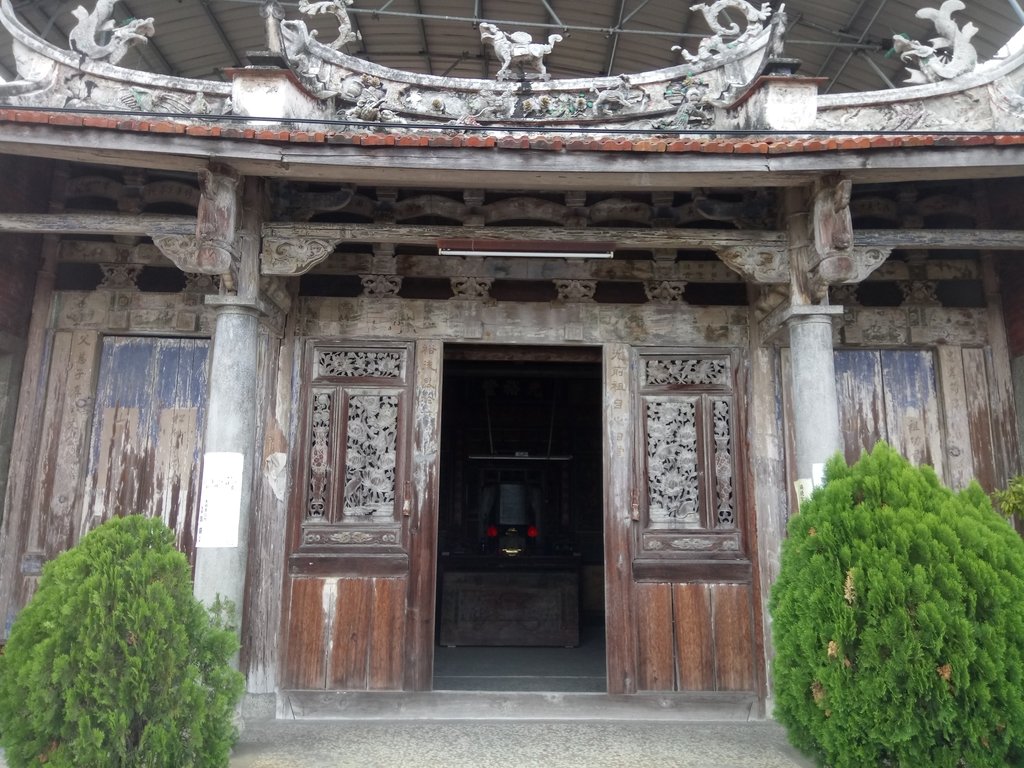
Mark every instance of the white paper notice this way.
pixel 818 475
pixel 220 505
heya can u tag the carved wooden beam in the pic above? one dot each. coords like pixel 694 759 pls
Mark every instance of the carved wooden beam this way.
pixel 640 238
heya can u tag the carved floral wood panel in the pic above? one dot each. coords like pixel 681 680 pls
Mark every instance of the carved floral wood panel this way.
pixel 688 416
pixel 354 448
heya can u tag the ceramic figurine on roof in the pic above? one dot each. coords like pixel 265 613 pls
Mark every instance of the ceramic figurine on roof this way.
pixel 92 27
pixel 949 55
pixel 518 53
pixel 715 45
pixel 346 34
pixel 88 76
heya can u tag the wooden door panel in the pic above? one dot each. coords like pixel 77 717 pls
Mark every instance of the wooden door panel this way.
pixel 306 634
pixel 655 641
pixel 694 646
pixel 349 531
pixel 350 634
pixel 733 637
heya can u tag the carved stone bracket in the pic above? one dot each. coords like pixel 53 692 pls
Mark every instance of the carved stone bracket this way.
pixel 576 290
pixel 757 263
pixel 665 291
pixel 471 287
pixel 381 286
pixel 293 256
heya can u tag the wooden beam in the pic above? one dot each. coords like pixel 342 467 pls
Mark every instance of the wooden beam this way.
pixel 399 234
pixel 97 224
pixel 635 239
pixel 942 239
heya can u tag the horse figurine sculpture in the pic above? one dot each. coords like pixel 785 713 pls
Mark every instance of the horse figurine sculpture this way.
pixel 518 50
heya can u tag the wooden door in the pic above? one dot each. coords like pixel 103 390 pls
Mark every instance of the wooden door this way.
pixel 146 433
pixel 682 608
pixel 350 535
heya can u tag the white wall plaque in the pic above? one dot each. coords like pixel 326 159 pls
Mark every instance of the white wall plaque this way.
pixel 220 505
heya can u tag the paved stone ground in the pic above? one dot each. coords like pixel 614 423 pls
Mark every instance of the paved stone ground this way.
pixel 515 744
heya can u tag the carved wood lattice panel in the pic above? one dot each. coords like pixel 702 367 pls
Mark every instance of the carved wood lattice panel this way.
pixel 370 455
pixel 688 419
pixel 672 480
pixel 351 364
pixel 354 449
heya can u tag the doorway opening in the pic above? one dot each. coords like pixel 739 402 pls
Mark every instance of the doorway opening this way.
pixel 520 581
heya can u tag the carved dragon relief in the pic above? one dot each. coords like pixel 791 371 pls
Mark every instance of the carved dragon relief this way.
pixel 89 75
pixel 949 55
pixel 715 45
pixel 93 27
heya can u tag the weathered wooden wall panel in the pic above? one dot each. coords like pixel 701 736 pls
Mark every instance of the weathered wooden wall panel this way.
pixel 424 513
pixel 861 400
pixel 63 448
pixel 953 388
pixel 147 424
pixel 620 494
pixel 979 417
pixel 890 395
pixel 266 558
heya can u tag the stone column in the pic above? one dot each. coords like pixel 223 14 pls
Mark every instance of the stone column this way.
pixel 815 402
pixel 229 457
pixel 228 232
pixel 809 319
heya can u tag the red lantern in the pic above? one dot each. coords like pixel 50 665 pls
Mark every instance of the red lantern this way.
pixel 492 531
pixel 531 532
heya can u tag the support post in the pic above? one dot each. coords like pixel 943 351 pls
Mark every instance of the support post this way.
pixel 229 460
pixel 815 402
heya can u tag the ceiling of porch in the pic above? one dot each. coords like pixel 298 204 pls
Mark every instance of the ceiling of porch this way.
pixel 846 42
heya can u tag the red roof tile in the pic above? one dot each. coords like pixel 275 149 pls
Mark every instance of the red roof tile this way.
pixel 412 138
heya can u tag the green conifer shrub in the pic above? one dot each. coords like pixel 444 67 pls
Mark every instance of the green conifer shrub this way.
pixel 114 663
pixel 898 623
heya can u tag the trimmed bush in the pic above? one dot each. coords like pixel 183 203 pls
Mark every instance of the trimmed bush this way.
pixel 898 623
pixel 114 664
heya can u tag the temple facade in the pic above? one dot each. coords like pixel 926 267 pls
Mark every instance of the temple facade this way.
pixel 413 363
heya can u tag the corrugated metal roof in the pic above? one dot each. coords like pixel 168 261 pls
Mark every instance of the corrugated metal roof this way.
pixel 844 40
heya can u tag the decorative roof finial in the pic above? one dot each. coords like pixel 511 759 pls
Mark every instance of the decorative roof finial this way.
pixel 346 34
pixel 519 51
pixel 92 27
